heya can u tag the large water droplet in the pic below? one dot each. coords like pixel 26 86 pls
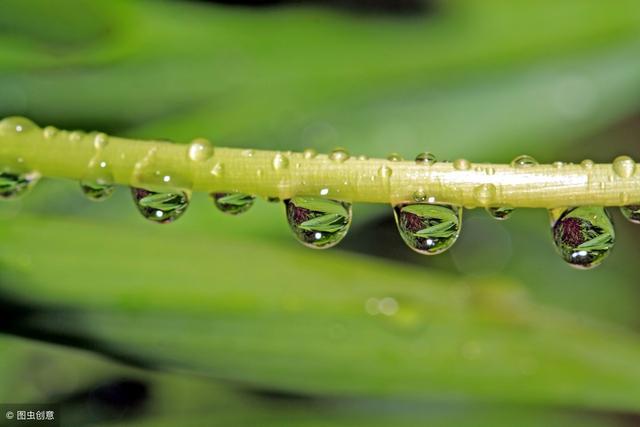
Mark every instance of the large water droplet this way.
pixel 500 213
pixel 14 185
pixel 524 161
pixel 425 158
pixel 317 222
pixel 427 228
pixel 160 207
pixel 624 166
pixel 16 125
pixel 583 235
pixel 631 212
pixel 233 203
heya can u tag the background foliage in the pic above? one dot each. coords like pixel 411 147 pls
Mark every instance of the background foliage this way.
pixel 218 320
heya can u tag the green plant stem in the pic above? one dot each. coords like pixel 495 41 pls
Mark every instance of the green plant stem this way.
pixel 162 165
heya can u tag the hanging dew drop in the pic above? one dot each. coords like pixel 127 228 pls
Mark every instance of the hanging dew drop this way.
pixel 317 222
pixel 14 185
pixel 631 212
pixel 158 207
pixel 427 228
pixel 97 184
pixel 583 236
pixel 96 190
pixel 233 203
pixel 500 213
pixel 524 161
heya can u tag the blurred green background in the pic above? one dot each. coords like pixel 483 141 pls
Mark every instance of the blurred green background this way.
pixel 218 320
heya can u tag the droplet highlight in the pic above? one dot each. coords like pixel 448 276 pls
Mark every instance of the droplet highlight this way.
pixel 159 207
pixel 233 203
pixel 583 236
pixel 317 222
pixel 428 229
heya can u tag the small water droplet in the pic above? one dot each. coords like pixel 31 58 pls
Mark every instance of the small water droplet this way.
pixel 233 203
pixel 217 170
pixel 394 157
pixel 583 235
pixel 158 207
pixel 419 195
pixel 246 153
pixel 318 222
pixel 524 161
pixel 100 141
pixel 461 164
pixel 76 136
pixel 587 163
pixel 309 153
pixel 485 194
pixel 16 125
pixel 49 132
pixel 426 158
pixel 339 155
pixel 631 212
pixel 624 166
pixel 385 171
pixel 280 162
pixel 14 185
pixel 558 165
pixel 200 150
pixel 500 213
pixel 362 157
pixel 426 228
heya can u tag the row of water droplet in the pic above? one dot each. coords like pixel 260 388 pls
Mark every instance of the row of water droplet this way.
pixel 583 236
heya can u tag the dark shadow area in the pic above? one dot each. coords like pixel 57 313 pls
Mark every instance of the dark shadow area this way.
pixel 404 8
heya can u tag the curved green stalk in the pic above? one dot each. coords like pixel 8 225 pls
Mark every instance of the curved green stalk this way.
pixel 201 167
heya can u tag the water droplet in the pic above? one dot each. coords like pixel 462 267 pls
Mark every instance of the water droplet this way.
pixel 419 195
pixel 524 161
pixel 309 153
pixel 16 125
pixel 160 207
pixel 339 155
pixel 587 163
pixel 49 132
pixel 76 136
pixel 558 165
pixel 631 212
pixel 428 228
pixel 200 150
pixel 247 153
pixel 233 203
pixel 362 157
pixel 100 141
pixel 394 157
pixel 426 158
pixel 280 161
pixel 500 213
pixel 318 222
pixel 97 184
pixel 583 235
pixel 385 171
pixel 624 166
pixel 485 194
pixel 461 164
pixel 14 185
